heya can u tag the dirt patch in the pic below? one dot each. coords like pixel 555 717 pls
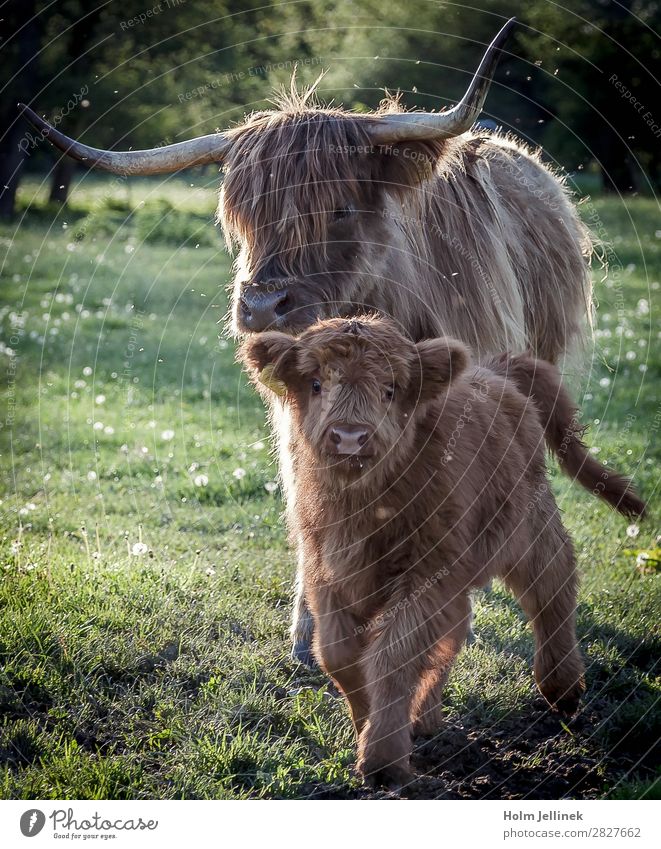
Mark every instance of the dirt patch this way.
pixel 535 757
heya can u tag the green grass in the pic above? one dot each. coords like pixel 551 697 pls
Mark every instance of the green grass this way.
pixel 145 575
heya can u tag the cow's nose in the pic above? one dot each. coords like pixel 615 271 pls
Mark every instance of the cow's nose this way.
pixel 262 306
pixel 348 439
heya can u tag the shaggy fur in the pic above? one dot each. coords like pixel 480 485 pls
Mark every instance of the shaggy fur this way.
pixel 443 488
pixel 471 237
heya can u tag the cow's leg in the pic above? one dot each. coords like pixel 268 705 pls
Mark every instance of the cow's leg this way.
pixel 338 644
pixel 546 588
pixel 470 633
pixel 302 626
pixel 399 657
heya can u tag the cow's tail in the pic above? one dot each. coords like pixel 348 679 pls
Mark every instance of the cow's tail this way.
pixel 558 415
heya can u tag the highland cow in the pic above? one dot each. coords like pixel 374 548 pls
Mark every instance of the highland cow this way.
pixel 419 477
pixel 416 215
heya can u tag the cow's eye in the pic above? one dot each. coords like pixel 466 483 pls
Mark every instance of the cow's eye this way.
pixel 389 393
pixel 343 212
pixel 316 386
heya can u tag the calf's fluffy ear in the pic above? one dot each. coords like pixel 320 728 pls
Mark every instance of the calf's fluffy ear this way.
pixel 271 351
pixel 439 362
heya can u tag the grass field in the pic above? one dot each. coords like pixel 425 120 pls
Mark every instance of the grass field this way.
pixel 145 576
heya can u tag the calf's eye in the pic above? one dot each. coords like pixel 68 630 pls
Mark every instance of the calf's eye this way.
pixel 316 386
pixel 389 393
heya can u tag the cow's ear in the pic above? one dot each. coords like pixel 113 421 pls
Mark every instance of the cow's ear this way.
pixel 271 359
pixel 405 164
pixel 438 363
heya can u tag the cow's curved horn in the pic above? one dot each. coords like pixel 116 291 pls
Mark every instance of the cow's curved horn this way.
pixel 422 126
pixel 158 160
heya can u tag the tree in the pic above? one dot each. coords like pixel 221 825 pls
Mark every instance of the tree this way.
pixel 605 90
pixel 575 80
pixel 21 35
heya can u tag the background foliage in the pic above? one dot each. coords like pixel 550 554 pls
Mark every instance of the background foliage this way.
pixel 163 71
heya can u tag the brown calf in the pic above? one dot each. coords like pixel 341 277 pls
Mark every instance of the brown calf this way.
pixel 419 477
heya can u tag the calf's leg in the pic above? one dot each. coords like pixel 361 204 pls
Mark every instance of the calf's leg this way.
pixel 399 656
pixel 546 588
pixel 427 704
pixel 338 644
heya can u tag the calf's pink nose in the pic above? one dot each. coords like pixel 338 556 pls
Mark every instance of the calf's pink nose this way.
pixel 347 439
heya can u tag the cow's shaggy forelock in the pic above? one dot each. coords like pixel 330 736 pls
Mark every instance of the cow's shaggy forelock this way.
pixel 290 168
pixel 286 173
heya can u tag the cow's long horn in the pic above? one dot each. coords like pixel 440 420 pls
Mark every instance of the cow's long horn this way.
pixel 422 126
pixel 158 160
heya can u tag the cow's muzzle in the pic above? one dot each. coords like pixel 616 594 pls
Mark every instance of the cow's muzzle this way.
pixel 347 440
pixel 263 306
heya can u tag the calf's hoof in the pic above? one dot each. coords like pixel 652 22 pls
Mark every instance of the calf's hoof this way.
pixel 427 725
pixel 392 777
pixel 565 701
pixel 302 652
pixel 567 705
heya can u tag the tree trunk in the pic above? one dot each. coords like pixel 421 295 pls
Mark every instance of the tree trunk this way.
pixel 11 164
pixel 23 18
pixel 61 180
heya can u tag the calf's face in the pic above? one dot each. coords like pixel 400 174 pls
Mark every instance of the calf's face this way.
pixel 355 387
